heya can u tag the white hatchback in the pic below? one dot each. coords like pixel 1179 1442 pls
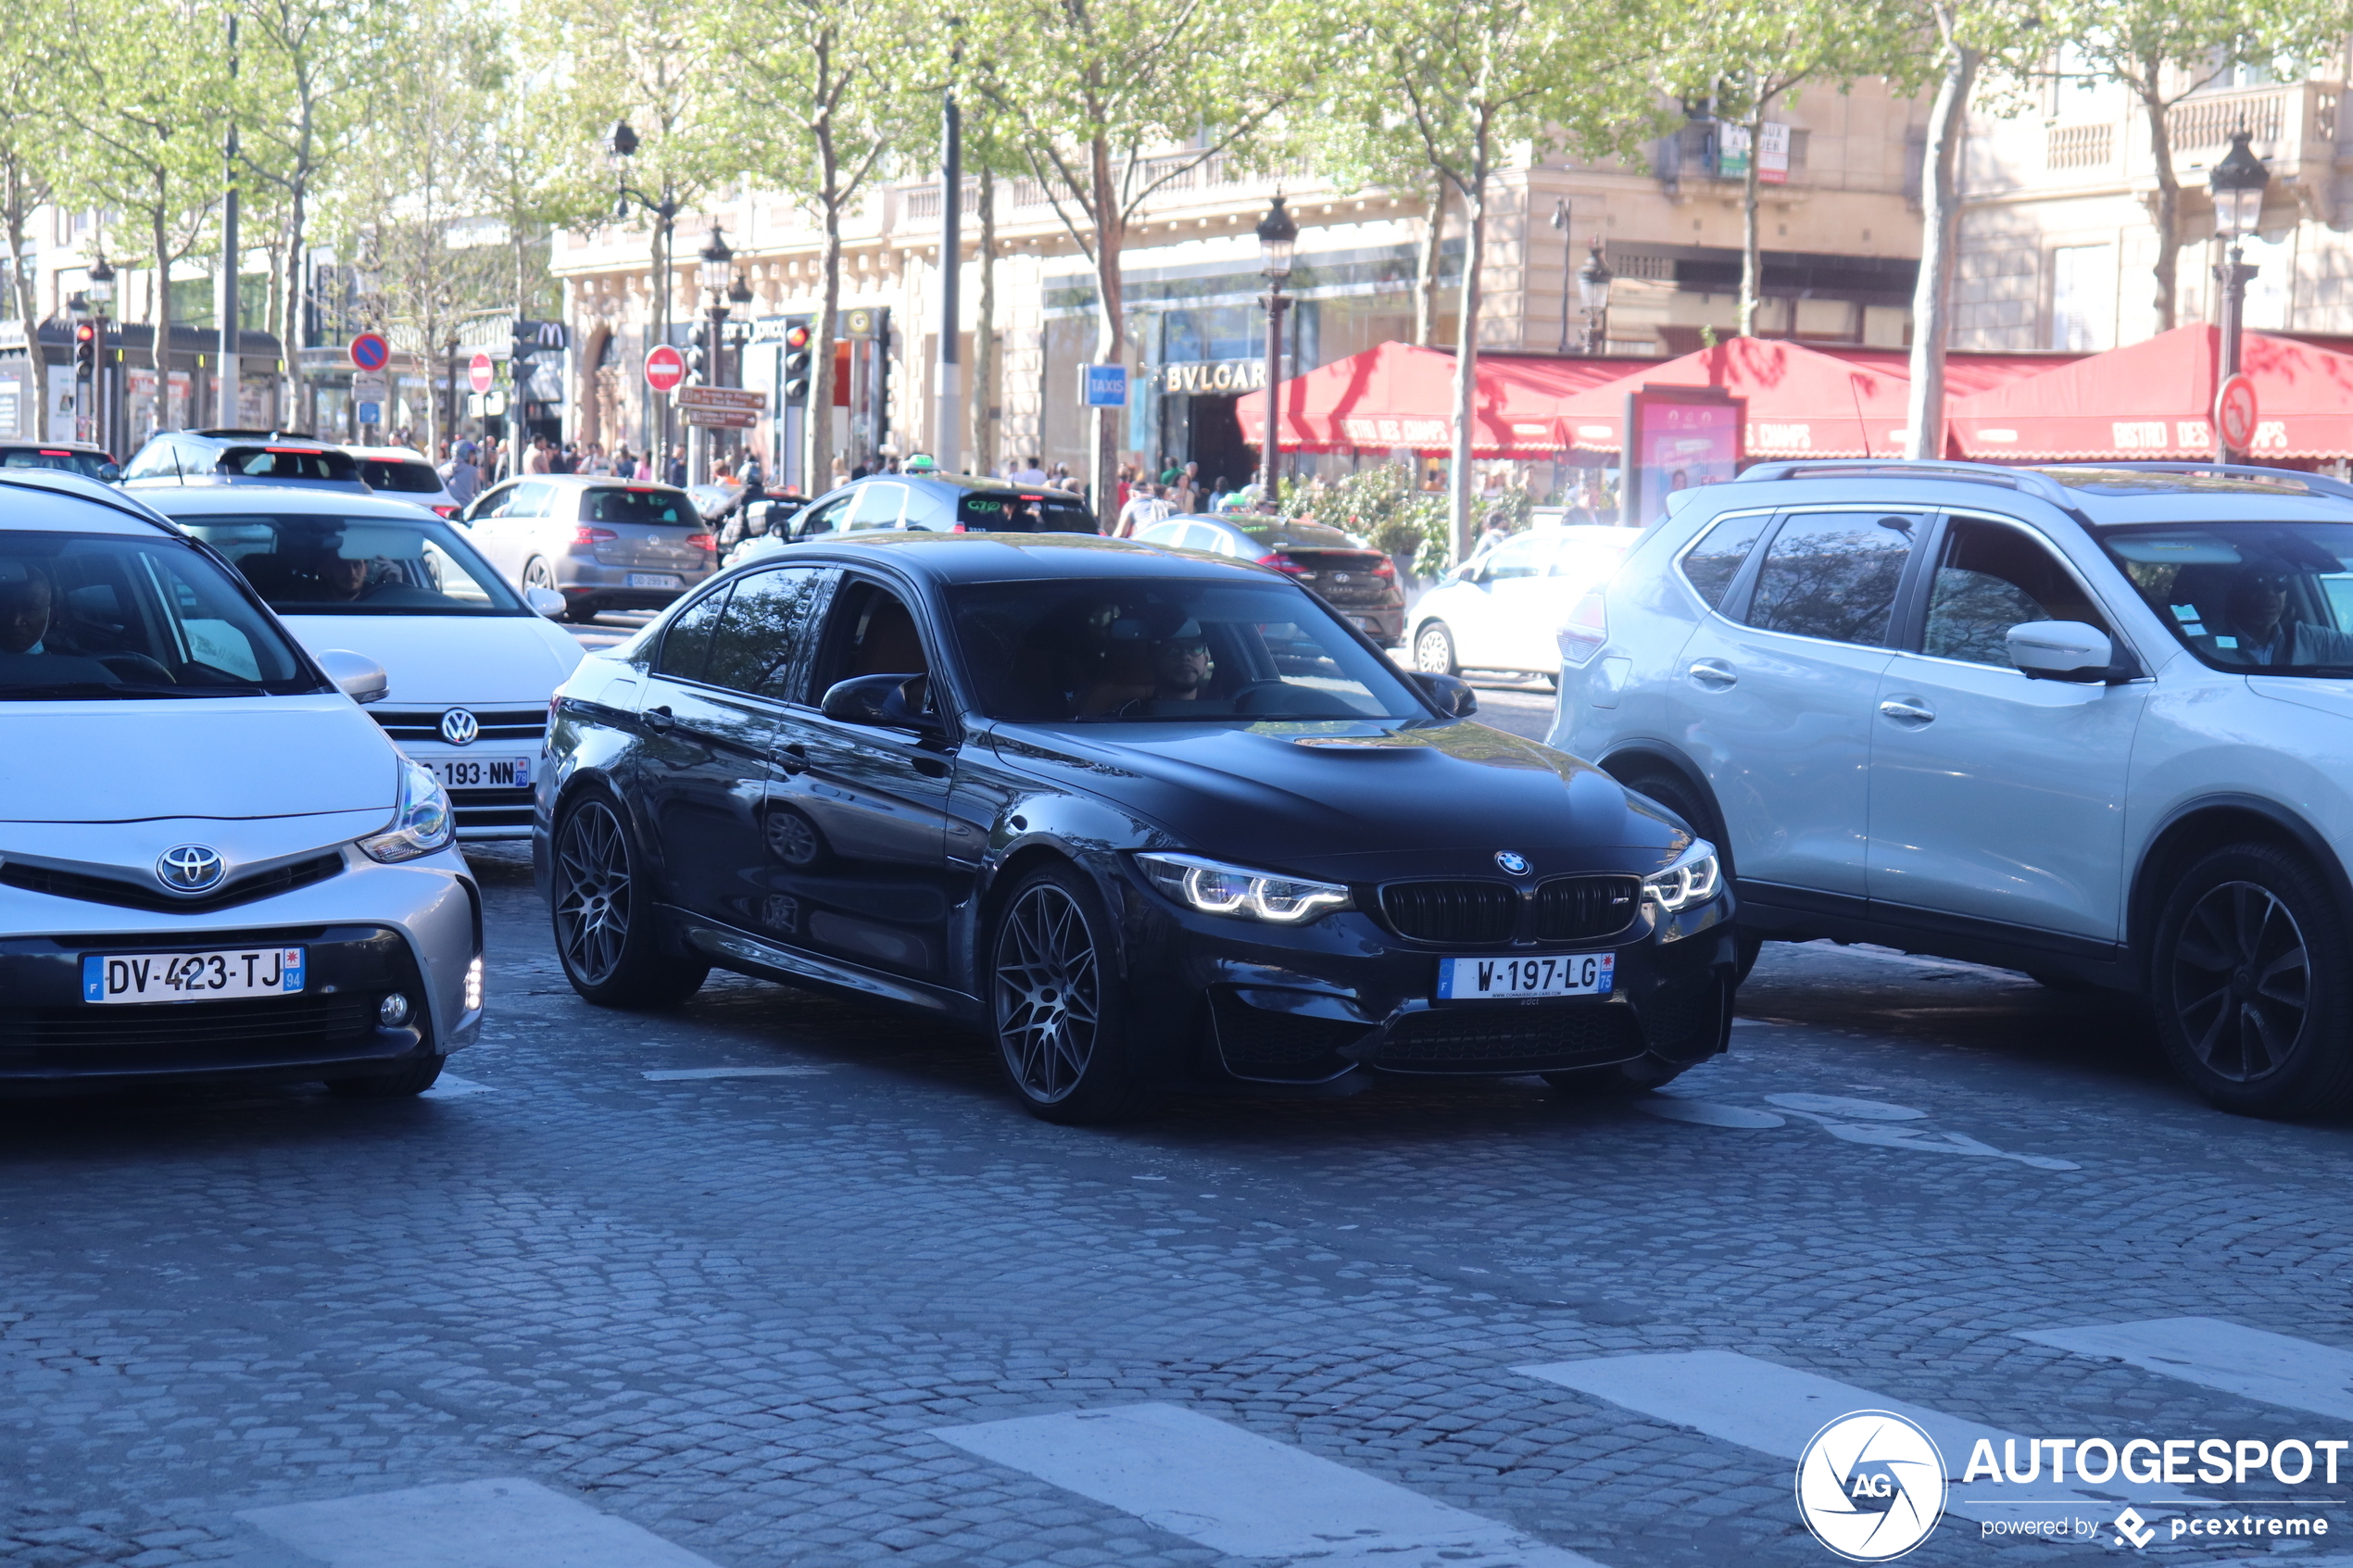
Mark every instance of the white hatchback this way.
pixel 1498 611
pixel 472 663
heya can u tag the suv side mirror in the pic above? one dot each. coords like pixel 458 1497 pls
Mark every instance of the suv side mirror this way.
pixel 895 702
pixel 109 473
pixel 2064 650
pixel 1453 694
pixel 355 674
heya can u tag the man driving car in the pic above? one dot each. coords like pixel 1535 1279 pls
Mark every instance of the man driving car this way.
pixel 26 599
pixel 2258 630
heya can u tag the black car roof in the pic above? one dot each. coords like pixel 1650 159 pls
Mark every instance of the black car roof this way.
pixel 1000 557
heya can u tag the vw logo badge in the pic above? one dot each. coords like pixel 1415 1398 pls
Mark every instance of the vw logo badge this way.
pixel 190 868
pixel 1516 864
pixel 460 727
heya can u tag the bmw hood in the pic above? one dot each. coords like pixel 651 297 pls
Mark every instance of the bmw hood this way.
pixel 1357 800
pixel 445 661
pixel 224 758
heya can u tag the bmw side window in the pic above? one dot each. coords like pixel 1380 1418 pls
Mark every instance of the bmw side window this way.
pixel 1712 565
pixel 686 646
pixel 1833 575
pixel 761 633
pixel 1990 578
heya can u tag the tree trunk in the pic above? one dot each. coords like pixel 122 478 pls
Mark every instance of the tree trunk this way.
pixel 817 426
pixel 1111 336
pixel 1466 354
pixel 1425 277
pixel 26 298
pixel 1940 229
pixel 983 444
pixel 1752 258
pixel 2169 198
pixel 161 416
pixel 289 319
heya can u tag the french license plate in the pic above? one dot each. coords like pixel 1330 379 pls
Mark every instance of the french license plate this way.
pixel 656 579
pixel 481 772
pixel 1573 974
pixel 190 977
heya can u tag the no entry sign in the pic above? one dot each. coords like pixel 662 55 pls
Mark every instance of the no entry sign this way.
pixel 665 367
pixel 479 372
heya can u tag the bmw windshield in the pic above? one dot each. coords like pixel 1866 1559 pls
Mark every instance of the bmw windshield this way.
pixel 312 563
pixel 1167 649
pixel 2275 598
pixel 85 616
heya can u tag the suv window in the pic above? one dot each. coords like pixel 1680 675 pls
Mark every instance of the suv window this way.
pixel 400 476
pixel 2276 598
pixel 1833 575
pixel 289 462
pixel 1990 578
pixel 686 648
pixel 761 628
pixel 1712 564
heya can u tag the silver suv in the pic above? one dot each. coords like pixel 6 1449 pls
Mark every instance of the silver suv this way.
pixel 2079 722
pixel 603 544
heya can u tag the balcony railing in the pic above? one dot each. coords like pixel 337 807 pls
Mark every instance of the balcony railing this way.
pixel 2080 147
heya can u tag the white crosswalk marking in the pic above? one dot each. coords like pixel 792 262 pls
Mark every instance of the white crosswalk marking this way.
pixel 501 1523
pixel 2214 1353
pixel 683 1074
pixel 1248 1496
pixel 1777 1409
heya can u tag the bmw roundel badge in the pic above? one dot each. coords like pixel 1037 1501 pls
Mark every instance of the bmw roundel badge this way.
pixel 1514 863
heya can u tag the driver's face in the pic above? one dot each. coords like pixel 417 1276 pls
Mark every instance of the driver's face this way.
pixel 24 614
pixel 2258 599
pixel 1180 666
pixel 343 577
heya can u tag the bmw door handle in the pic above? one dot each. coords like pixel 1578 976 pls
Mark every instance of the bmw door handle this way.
pixel 792 760
pixel 1713 674
pixel 659 720
pixel 1910 711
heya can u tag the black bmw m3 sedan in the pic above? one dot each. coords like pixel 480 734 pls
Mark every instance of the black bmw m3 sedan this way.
pixel 1150 821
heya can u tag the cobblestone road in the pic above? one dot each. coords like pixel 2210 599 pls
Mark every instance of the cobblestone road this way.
pixel 723 1275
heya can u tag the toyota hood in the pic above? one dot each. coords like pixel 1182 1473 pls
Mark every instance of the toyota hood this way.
pixel 451 660
pixel 237 758
pixel 1344 799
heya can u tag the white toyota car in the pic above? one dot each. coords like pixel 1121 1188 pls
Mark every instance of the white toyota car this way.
pixel 211 864
pixel 1497 612
pixel 471 661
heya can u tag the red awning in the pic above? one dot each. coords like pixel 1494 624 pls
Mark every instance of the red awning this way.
pixel 2156 399
pixel 1395 395
pixel 1802 403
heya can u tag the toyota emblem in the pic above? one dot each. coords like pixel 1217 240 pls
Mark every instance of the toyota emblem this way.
pixel 190 868
pixel 460 727
pixel 1516 864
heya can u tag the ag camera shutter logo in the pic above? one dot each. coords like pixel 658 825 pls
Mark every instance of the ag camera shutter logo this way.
pixel 1871 1485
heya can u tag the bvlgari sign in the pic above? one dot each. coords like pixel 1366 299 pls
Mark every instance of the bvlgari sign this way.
pixel 1210 377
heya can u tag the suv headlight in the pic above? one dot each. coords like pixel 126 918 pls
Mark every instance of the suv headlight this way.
pixel 1694 878
pixel 1215 888
pixel 421 823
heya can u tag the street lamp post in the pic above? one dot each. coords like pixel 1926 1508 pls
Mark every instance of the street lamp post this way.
pixel 2237 185
pixel 100 291
pixel 716 273
pixel 1276 236
pixel 620 145
pixel 1594 280
pixel 1568 254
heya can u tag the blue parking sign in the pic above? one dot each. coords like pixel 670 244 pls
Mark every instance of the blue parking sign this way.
pixel 1104 386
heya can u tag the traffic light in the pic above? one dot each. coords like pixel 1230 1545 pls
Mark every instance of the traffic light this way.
pixel 796 366
pixel 699 349
pixel 86 349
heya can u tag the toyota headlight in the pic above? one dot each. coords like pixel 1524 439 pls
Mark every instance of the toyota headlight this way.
pixel 1215 888
pixel 421 823
pixel 1694 878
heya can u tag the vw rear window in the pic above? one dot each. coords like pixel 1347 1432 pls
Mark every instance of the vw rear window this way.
pixel 646 505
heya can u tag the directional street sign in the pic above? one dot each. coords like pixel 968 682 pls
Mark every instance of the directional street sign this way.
pixel 718 419
pixel 733 400
pixel 480 372
pixel 665 367
pixel 371 391
pixel 371 352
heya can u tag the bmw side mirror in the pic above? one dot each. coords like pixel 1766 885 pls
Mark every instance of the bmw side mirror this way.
pixel 355 674
pixel 883 701
pixel 1452 694
pixel 109 473
pixel 2065 650
pixel 545 601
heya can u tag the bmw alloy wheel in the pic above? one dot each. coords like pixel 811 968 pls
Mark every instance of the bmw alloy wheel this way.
pixel 592 893
pixel 1048 992
pixel 2242 981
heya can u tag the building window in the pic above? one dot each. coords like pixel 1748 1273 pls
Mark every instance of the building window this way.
pixel 2084 297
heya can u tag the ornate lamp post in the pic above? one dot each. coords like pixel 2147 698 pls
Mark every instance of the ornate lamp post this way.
pixel 1594 280
pixel 620 145
pixel 2237 183
pixel 1568 254
pixel 99 290
pixel 1277 237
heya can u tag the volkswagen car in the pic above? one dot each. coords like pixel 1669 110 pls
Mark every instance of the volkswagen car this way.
pixel 471 662
pixel 212 864
pixel 1151 820
pixel 597 543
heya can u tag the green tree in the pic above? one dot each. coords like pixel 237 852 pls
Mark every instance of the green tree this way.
pixel 1103 100
pixel 1480 83
pixel 145 89
pixel 29 149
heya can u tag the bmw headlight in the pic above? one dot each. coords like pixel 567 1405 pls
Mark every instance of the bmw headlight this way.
pixel 421 823
pixel 1694 878
pixel 1215 888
